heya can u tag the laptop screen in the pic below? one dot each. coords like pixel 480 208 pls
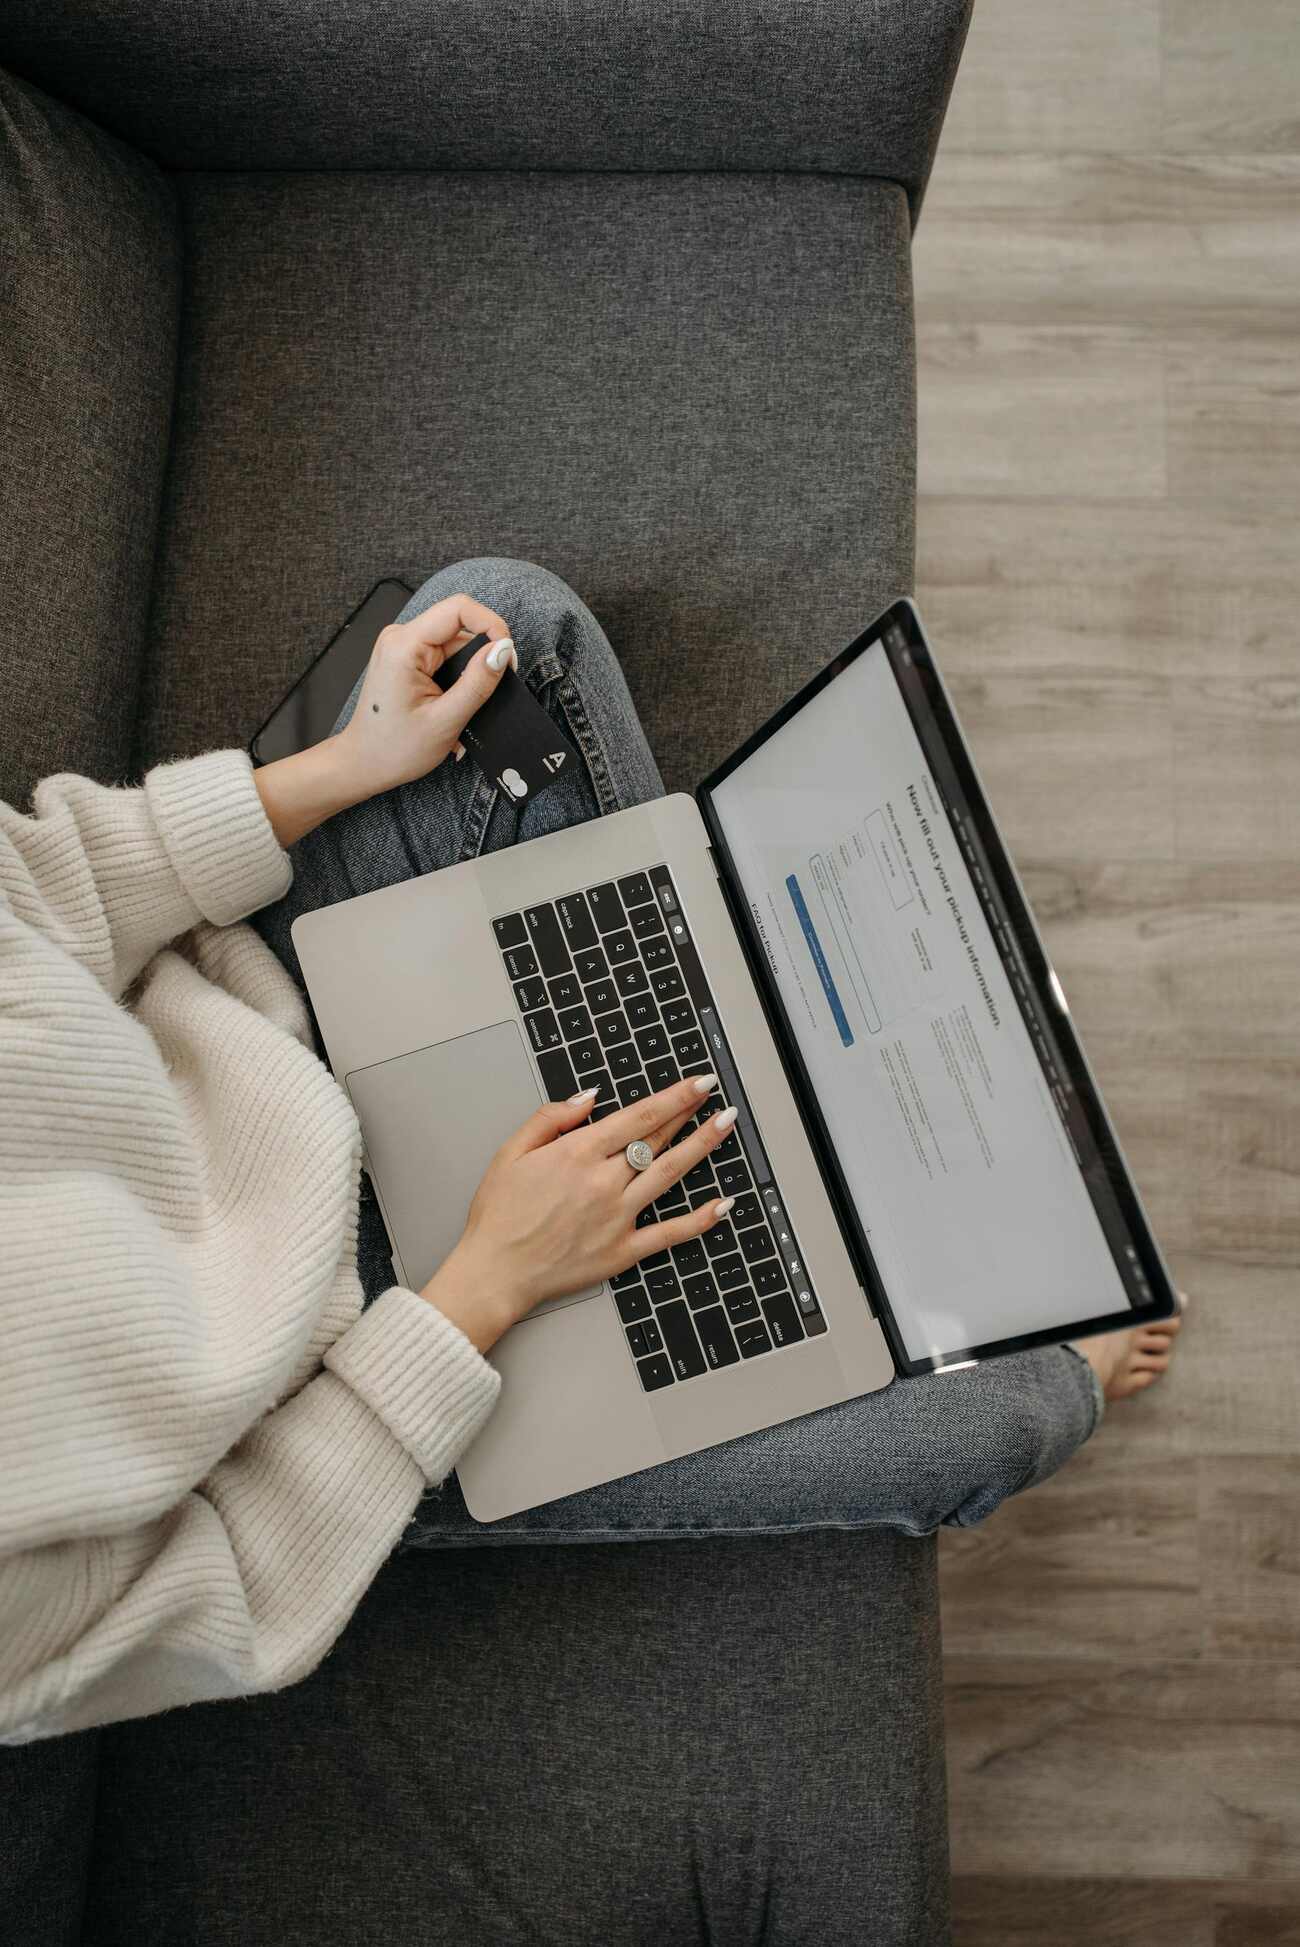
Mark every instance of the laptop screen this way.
pixel 984 1203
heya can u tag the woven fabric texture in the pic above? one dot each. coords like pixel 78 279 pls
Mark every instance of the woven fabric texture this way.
pixel 676 1742
pixel 856 87
pixel 90 258
pixel 692 397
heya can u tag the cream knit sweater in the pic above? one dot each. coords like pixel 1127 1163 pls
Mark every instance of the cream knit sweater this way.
pixel 206 1449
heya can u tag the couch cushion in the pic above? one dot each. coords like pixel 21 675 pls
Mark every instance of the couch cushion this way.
pixel 626 1745
pixel 689 396
pixel 90 271
pixel 398 84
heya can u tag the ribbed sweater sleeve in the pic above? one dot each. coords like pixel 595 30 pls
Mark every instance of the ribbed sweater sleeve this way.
pixel 207 1447
pixel 243 1585
pixel 111 873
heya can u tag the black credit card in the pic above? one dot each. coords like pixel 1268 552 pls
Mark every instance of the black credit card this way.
pixel 510 737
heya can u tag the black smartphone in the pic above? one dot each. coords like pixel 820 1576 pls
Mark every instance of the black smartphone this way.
pixel 311 709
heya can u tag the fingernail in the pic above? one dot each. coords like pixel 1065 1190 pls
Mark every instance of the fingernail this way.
pixel 500 652
pixel 725 1118
pixel 460 752
pixel 703 1083
pixel 583 1095
pixel 721 1209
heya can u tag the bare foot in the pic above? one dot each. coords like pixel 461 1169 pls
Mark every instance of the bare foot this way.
pixel 1128 1362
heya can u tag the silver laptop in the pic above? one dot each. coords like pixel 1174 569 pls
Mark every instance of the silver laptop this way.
pixel 923 1168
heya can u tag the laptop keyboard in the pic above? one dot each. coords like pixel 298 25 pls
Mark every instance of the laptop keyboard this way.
pixel 613 995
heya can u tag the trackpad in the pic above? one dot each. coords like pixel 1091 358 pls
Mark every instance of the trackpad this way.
pixel 433 1121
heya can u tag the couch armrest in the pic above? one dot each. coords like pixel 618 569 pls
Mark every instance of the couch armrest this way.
pixel 857 89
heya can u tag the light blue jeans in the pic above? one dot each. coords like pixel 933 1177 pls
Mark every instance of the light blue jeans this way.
pixel 942 1449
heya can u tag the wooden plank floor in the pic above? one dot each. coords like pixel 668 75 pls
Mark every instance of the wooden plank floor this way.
pixel 1108 305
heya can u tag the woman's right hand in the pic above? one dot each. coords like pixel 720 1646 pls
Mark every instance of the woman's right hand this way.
pixel 557 1208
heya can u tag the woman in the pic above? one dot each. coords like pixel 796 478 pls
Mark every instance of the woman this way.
pixel 218 1414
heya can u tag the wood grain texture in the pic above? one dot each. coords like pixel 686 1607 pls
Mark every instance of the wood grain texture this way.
pixel 1107 274
pixel 990 1912
pixel 1119 1768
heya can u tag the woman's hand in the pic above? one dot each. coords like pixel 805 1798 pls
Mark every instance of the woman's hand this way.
pixel 558 1206
pixel 403 724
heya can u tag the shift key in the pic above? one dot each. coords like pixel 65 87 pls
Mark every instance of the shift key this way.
pixel 682 1346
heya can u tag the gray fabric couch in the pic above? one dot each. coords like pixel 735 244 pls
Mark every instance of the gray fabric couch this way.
pixel 297 296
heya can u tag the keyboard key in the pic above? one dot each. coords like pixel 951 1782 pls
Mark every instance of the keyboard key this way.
pixel 700 1178
pixel 602 1109
pixel 727 1150
pixel 653 1043
pixel 814 1325
pixel 731 1272
pixel 756 1243
pixel 622 1280
pixel 586 1054
pixel 641 1011
pixel 662 1282
pixel 646 922
pixel 782 1318
pixel 520 962
pixel 612 1029
pixel 768 1276
pixel 652 1260
pixel 635 889
pixel 590 964
pixel 655 1372
pixel 566 992
pixel 624 1061
pixel 741 1306
pixel 732 1177
pixel 620 947
pixel 602 996
pixel 646 1217
pixel 748 1209
pixel 679 1337
pixel 656 953
pixel 633 1088
pixel 530 994
pixel 678 1016
pixel 603 1084
pixel 689 1048
pixel 673 1202
pixel 667 897
pixel 558 1078
pixel 690 1256
pixel 720 1239
pixel 753 1339
pixel 575 918
pixel 548 939
pixel 699 1197
pixel 575 1023
pixel 666 984
pixel 644 1338
pixel 510 930
pixel 633 1304
pixel 700 1290
pixel 543 1029
pixel 632 978
pixel 606 907
pixel 662 1074
pixel 715 1337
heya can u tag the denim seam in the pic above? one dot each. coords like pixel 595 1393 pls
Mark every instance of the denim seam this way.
pixel 489 1532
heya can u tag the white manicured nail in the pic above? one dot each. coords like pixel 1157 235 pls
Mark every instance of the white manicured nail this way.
pixel 721 1209
pixel 725 1117
pixel 583 1095
pixel 703 1083
pixel 501 652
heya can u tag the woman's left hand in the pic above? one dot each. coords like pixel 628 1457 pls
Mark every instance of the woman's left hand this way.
pixel 404 725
